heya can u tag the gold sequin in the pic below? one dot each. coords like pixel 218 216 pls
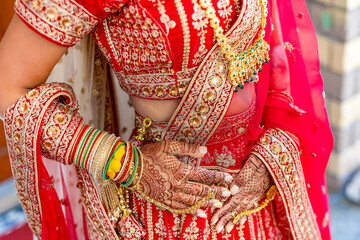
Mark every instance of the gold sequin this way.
pixel 241 130
pixel 60 118
pixel 174 90
pixel 146 91
pixel 289 169
pixel 284 159
pixel 265 140
pixel 20 172
pixel 215 81
pixel 24 107
pixel 188 132
pixel 51 14
pixel 195 121
pixel 160 91
pixel 65 22
pixel 209 95
pixel 202 108
pixel 33 93
pixel 37 5
pixel 19 122
pixel 53 132
pixel 275 148
pixel 17 136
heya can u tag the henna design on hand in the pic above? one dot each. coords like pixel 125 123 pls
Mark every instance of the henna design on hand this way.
pixel 172 182
pixel 251 184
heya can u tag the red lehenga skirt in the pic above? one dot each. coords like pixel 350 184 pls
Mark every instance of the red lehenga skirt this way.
pixel 227 151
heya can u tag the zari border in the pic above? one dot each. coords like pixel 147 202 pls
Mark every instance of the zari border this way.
pixel 63 21
pixel 209 93
pixel 23 121
pixel 22 128
pixel 278 151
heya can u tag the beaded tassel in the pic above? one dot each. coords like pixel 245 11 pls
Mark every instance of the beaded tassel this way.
pixel 245 66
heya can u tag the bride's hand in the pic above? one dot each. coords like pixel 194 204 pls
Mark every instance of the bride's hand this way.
pixel 248 188
pixel 176 184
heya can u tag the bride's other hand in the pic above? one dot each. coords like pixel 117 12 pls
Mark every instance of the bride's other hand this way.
pixel 249 187
pixel 178 185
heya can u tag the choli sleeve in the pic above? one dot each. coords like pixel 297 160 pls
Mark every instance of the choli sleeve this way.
pixel 65 22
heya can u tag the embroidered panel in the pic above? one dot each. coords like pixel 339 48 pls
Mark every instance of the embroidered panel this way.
pixel 154 47
pixel 156 86
pixel 209 93
pixel 279 153
pixel 161 224
pixel 62 21
pixel 227 148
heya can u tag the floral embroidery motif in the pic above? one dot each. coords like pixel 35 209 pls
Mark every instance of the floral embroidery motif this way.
pixel 164 18
pixel 192 232
pixel 225 158
pixel 186 32
pixel 160 228
pixel 225 10
pixel 64 22
pixel 200 23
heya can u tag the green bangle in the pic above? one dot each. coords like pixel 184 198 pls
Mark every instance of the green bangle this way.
pixel 133 173
pixel 87 149
pixel 108 163
pixel 82 143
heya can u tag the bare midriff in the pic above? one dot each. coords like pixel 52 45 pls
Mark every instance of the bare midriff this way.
pixel 162 110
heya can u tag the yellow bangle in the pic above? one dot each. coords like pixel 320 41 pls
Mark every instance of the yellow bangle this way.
pixel 115 164
pixel 270 195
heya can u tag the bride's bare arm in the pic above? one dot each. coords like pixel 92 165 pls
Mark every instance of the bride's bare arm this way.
pixel 26 60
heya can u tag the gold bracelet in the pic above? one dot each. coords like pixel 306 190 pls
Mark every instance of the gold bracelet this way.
pixel 270 195
pixel 101 156
pixel 189 210
pixel 138 175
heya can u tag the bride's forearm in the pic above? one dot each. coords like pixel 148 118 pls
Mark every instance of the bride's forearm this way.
pixel 26 60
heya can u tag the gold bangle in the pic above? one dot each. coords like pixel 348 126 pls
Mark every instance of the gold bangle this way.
pixel 270 195
pixel 138 175
pixel 189 210
pixel 126 161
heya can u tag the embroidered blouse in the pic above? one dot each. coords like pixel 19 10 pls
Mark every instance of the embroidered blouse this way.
pixel 154 47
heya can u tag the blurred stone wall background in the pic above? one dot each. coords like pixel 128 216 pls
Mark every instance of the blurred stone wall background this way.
pixel 337 23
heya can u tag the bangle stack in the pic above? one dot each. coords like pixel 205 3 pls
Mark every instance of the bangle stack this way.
pixel 106 156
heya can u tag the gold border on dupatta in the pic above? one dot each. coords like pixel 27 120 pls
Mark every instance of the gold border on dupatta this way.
pixel 279 153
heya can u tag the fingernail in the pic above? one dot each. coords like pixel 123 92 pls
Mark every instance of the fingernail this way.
pixel 243 221
pixel 201 214
pixel 213 221
pixel 229 227
pixel 234 190
pixel 229 179
pixel 203 150
pixel 226 193
pixel 217 205
pixel 220 229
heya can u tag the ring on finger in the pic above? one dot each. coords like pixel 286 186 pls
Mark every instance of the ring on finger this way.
pixel 234 214
pixel 255 203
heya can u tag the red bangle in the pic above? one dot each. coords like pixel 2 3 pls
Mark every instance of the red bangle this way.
pixel 127 167
pixel 76 145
